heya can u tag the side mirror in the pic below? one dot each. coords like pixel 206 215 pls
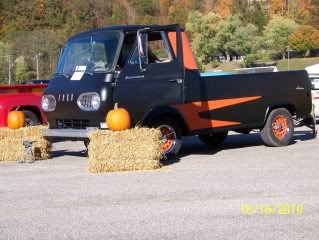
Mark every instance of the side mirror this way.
pixel 142 44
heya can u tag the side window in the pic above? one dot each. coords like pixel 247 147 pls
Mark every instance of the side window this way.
pixel 128 46
pixel 158 49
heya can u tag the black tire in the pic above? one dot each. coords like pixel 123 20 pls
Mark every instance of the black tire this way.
pixel 31 119
pixel 169 127
pixel 279 128
pixel 214 138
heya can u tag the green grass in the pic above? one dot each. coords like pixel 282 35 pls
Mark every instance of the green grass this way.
pixel 226 66
pixel 282 65
pixel 296 63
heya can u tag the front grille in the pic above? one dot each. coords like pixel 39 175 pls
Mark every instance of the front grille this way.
pixel 72 123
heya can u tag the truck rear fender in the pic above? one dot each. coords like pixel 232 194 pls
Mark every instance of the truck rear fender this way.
pixel 290 107
pixel 168 112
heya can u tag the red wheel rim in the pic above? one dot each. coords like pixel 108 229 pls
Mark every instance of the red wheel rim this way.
pixel 168 137
pixel 280 127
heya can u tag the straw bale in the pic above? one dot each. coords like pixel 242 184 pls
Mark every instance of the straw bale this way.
pixel 26 132
pixel 11 144
pixel 129 150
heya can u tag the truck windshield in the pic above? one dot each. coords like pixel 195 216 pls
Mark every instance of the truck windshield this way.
pixel 90 53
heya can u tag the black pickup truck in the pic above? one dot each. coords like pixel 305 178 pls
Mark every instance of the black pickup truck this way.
pixel 151 71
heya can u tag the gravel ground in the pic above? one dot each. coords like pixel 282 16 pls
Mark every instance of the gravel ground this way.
pixel 196 196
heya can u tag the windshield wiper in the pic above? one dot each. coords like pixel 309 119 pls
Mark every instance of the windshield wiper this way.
pixel 61 74
pixel 88 73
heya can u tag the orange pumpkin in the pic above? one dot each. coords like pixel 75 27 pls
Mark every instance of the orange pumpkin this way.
pixel 118 119
pixel 16 119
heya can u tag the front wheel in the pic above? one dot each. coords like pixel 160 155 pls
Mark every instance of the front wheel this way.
pixel 171 135
pixel 31 119
pixel 214 138
pixel 279 128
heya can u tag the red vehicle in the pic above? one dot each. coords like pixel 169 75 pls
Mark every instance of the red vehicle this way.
pixel 26 98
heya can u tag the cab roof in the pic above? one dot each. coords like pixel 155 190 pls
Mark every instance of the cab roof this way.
pixel 128 28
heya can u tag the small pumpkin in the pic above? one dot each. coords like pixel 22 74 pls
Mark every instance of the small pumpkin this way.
pixel 16 119
pixel 118 119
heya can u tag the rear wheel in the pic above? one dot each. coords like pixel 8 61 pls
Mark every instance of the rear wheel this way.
pixel 279 128
pixel 171 135
pixel 214 138
pixel 31 119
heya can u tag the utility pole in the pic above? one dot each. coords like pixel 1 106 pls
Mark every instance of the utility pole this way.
pixel 288 59
pixel 9 69
pixel 37 60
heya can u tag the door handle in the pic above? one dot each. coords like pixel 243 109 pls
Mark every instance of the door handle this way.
pixel 176 81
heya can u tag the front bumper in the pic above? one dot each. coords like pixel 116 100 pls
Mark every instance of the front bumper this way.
pixel 67 134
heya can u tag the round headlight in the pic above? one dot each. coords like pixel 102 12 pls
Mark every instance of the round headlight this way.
pixel 89 101
pixel 45 104
pixel 96 101
pixel 48 103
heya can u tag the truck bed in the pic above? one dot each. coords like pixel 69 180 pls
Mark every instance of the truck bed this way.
pixel 249 105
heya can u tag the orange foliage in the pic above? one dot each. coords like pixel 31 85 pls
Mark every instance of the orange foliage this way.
pixel 277 7
pixel 224 8
pixel 304 8
pixel 304 39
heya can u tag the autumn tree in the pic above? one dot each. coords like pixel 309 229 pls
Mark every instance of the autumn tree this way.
pixel 146 10
pixel 81 16
pixel 251 13
pixel 277 32
pixel 164 6
pixel 55 13
pixel 313 18
pixel 300 10
pixel 278 7
pixel 29 15
pixel 178 12
pixel 304 39
pixel 224 8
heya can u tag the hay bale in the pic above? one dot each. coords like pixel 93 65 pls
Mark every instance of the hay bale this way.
pixel 11 144
pixel 129 150
pixel 27 132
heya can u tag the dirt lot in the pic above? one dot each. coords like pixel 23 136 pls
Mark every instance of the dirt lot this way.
pixel 196 196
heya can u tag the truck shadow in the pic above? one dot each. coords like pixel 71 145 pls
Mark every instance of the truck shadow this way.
pixel 303 136
pixel 64 152
pixel 192 145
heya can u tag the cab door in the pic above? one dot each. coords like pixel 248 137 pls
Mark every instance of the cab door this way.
pixel 160 84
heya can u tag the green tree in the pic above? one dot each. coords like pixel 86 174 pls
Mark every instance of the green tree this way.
pixel 146 11
pixel 203 30
pixel 178 12
pixel 277 32
pixel 118 16
pixel 4 51
pixel 225 36
pixel 55 13
pixel 21 69
pixel 304 39
pixel 245 40
pixel 81 16
pixel 251 12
